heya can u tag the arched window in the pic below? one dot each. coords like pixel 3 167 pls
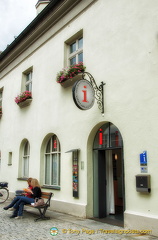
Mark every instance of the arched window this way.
pixel 25 159
pixel 52 162
pixel 108 136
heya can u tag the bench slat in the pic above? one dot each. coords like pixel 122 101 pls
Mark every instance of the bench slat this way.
pixel 45 195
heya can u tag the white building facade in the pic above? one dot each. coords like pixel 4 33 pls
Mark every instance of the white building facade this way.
pixel 87 158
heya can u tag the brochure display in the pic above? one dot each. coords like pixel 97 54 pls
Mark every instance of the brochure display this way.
pixel 75 174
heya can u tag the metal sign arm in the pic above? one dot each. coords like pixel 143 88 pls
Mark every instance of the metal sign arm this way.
pixel 99 90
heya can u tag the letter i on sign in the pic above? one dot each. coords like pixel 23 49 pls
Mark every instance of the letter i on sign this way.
pixel 55 144
pixel 84 95
pixel 100 136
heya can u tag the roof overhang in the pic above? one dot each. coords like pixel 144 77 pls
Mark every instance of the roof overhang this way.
pixel 50 15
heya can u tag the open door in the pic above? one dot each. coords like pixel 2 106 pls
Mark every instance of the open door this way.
pixel 108 173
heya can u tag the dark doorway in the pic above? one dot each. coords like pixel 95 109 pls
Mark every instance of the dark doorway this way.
pixel 101 184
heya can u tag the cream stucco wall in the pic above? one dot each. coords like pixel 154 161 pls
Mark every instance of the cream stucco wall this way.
pixel 120 49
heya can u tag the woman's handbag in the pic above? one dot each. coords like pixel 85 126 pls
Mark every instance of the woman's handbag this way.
pixel 39 202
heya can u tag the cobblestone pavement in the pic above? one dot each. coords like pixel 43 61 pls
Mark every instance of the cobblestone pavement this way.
pixel 68 228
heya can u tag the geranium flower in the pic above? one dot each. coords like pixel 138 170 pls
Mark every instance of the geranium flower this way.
pixel 70 72
pixel 23 96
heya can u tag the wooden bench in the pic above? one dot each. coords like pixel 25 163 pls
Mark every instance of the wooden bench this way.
pixel 43 208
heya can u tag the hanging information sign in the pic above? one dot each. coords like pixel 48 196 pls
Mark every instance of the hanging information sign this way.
pixel 83 94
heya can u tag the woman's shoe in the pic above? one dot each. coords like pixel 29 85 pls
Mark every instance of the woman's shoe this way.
pixel 11 209
pixel 13 216
pixel 6 208
pixel 18 217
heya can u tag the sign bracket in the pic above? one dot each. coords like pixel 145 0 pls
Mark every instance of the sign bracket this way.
pixel 99 90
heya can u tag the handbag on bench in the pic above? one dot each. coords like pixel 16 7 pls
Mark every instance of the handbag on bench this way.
pixel 38 202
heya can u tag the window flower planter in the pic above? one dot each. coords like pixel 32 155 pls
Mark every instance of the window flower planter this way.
pixel 69 82
pixel 68 76
pixel 24 99
pixel 25 103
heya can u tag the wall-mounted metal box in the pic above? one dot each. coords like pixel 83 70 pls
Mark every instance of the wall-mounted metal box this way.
pixel 143 183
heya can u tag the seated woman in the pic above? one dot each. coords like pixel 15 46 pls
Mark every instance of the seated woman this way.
pixel 26 193
pixel 19 205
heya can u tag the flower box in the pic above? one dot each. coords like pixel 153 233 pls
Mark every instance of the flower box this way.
pixel 69 82
pixel 69 75
pixel 24 99
pixel 25 103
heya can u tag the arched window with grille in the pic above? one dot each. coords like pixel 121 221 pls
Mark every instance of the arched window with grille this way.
pixel 52 162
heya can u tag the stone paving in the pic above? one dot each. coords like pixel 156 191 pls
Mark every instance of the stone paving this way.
pixel 67 227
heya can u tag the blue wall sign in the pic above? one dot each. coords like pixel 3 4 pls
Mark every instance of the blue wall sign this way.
pixel 143 158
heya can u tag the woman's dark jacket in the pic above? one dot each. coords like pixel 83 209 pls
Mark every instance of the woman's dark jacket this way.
pixel 36 192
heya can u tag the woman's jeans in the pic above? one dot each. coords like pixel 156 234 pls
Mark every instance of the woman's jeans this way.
pixel 19 205
pixel 14 201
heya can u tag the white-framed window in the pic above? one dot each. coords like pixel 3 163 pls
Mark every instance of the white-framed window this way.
pixel 1 96
pixel 27 80
pixel 76 51
pixel 1 93
pixel 25 159
pixel 52 162
pixel 10 159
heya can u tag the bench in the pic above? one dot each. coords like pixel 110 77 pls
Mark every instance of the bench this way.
pixel 43 208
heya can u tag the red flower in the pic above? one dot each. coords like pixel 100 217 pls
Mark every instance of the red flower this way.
pixel 70 72
pixel 23 96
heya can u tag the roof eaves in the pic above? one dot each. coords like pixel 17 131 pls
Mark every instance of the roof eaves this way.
pixel 31 26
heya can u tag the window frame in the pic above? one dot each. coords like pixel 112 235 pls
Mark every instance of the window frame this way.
pixel 1 96
pixel 75 54
pixel 27 77
pixel 70 41
pixel 25 159
pixel 49 181
pixel 28 81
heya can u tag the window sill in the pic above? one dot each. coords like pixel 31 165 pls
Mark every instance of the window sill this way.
pixel 25 103
pixel 50 187
pixel 69 82
pixel 22 179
